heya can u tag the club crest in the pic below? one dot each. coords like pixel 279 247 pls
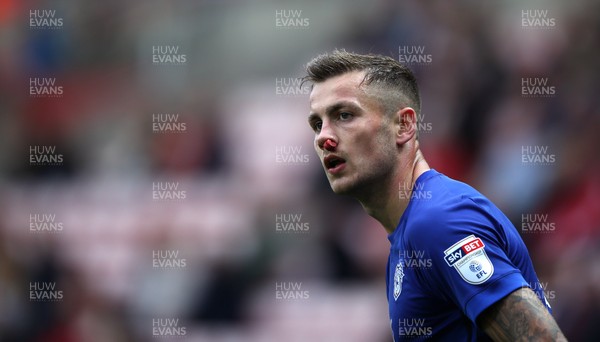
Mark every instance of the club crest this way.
pixel 398 275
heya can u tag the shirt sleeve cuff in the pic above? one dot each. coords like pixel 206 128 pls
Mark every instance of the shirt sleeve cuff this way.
pixel 495 291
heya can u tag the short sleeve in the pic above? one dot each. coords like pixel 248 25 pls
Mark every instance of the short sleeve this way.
pixel 469 264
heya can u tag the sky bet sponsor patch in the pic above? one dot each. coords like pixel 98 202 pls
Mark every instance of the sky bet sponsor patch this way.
pixel 469 259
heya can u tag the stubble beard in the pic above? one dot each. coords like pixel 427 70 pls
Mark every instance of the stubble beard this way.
pixel 370 178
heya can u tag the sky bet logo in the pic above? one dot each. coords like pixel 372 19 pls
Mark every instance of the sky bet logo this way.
pixel 167 55
pixel 44 19
pixel 469 259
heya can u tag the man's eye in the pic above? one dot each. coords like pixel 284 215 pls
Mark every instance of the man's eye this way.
pixel 345 116
pixel 316 126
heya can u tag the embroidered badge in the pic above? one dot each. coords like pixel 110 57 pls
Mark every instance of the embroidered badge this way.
pixel 398 275
pixel 469 259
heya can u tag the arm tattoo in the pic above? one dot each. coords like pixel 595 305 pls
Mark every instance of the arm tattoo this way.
pixel 520 316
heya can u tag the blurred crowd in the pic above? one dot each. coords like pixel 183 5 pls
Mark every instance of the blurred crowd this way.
pixel 242 165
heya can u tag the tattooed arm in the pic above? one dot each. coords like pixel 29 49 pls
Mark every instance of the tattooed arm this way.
pixel 520 316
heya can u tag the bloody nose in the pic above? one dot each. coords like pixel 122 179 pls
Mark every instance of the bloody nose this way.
pixel 329 144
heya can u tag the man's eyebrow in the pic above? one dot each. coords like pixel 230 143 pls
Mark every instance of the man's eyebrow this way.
pixel 312 117
pixel 332 109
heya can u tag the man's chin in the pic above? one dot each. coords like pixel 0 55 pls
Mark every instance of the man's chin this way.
pixel 353 187
pixel 341 187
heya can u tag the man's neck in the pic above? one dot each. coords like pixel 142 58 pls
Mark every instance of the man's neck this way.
pixel 387 205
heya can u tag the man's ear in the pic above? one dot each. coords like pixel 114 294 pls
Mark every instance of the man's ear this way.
pixel 405 123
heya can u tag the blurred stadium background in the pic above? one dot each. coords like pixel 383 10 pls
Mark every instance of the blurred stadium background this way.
pixel 116 259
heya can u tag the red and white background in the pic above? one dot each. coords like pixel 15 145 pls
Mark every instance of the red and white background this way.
pixel 158 180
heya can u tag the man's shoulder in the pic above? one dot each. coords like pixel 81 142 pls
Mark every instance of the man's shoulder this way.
pixel 453 207
pixel 441 197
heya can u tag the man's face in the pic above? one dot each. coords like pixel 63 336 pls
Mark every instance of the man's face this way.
pixel 353 137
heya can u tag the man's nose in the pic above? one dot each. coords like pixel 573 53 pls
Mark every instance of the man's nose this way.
pixel 326 140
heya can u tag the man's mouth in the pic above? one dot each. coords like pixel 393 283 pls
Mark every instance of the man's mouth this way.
pixel 334 164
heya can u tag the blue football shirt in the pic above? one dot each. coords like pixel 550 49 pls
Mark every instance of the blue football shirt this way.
pixel 453 255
